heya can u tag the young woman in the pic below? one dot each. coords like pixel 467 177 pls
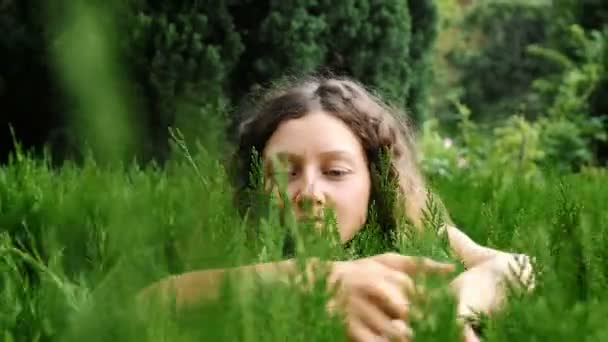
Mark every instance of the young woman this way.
pixel 329 134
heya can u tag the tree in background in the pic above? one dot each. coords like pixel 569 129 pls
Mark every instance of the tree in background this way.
pixel 28 93
pixel 495 70
pixel 192 61
pixel 544 61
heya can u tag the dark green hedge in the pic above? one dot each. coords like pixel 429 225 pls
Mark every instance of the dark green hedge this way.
pixel 212 53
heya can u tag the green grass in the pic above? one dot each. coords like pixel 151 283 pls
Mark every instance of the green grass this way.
pixel 78 242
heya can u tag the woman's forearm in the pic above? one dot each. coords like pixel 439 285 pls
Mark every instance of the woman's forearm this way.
pixel 467 250
pixel 192 287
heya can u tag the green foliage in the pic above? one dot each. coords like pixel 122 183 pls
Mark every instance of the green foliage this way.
pixel 78 243
pixel 516 147
pixel 182 59
pixel 425 26
pixel 495 72
pixel 385 45
pixel 535 61
pixel 590 14
pixel 572 123
pixel 186 62
pixel 561 123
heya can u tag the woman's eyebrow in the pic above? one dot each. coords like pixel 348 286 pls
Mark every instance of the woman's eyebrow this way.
pixel 338 154
pixel 331 154
pixel 284 156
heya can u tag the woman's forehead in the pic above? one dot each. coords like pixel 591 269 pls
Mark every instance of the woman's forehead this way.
pixel 318 134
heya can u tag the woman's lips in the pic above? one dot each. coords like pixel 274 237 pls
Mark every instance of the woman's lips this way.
pixel 315 220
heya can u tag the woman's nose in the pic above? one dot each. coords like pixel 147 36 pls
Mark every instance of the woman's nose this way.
pixel 309 197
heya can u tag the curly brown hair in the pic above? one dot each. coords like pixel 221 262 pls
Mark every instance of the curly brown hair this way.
pixel 378 126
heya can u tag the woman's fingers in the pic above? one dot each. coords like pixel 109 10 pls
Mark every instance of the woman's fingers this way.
pixel 358 332
pixel 391 296
pixel 374 293
pixel 402 280
pixel 378 322
pixel 388 289
pixel 403 329
pixel 413 265
pixel 371 316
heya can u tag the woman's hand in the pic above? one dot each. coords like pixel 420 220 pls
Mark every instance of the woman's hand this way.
pixel 483 288
pixel 373 294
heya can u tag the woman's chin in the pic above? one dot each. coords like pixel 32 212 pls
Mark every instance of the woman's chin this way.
pixel 318 225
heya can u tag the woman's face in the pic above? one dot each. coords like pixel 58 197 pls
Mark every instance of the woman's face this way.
pixel 326 169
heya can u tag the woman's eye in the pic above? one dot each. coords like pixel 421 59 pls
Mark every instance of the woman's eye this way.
pixel 289 172
pixel 280 176
pixel 336 173
pixel 286 169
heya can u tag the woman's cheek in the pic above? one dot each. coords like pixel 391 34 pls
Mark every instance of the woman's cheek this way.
pixel 278 198
pixel 350 213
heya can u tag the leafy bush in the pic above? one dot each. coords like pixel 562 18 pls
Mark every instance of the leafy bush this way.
pixel 495 71
pixel 576 126
pixel 514 148
pixel 553 117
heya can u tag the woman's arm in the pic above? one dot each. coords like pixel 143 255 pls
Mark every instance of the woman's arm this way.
pixel 469 251
pixel 514 266
pixel 192 287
